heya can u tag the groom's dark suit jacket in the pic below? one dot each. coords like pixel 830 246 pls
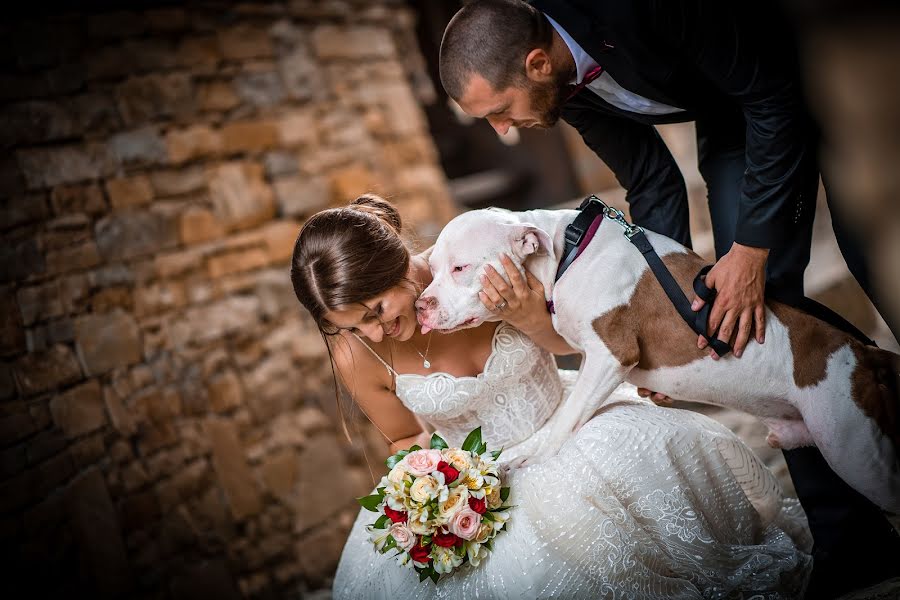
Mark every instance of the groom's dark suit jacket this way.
pixel 717 61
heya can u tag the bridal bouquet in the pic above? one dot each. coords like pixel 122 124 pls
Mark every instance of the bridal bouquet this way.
pixel 439 508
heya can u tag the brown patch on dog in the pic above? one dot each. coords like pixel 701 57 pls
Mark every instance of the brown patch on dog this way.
pixel 812 342
pixel 647 331
pixel 876 388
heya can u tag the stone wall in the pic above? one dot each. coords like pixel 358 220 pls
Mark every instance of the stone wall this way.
pixel 167 415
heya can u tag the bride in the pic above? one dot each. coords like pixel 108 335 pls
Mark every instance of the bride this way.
pixel 642 502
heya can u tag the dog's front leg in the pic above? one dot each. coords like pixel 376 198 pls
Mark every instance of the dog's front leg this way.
pixel 598 377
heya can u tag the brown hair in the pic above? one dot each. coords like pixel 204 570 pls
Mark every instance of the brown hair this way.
pixel 491 38
pixel 344 256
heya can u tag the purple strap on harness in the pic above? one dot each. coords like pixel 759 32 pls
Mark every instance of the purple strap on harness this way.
pixel 588 236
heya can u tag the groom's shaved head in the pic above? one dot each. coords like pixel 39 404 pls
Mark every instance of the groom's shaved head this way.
pixel 491 38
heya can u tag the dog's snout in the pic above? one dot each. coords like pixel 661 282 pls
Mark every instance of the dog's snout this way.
pixel 426 303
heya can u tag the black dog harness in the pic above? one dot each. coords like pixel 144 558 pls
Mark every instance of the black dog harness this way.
pixel 578 235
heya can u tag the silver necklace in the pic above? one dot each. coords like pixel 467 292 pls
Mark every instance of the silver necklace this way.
pixel 425 362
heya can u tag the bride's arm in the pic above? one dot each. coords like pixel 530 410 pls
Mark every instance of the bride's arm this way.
pixel 370 386
pixel 526 306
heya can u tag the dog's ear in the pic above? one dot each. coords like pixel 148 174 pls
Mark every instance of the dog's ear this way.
pixel 528 239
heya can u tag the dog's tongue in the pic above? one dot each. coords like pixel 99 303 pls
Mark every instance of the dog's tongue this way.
pixel 425 329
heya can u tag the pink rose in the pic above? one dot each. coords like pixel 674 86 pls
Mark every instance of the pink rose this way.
pixel 405 538
pixel 465 523
pixel 422 462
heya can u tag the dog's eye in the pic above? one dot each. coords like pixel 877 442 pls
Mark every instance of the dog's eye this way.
pixel 460 268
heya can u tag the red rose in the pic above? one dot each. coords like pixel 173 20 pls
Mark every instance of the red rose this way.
pixel 446 539
pixel 450 472
pixel 397 516
pixel 478 505
pixel 420 553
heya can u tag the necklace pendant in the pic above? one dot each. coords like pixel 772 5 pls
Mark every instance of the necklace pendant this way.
pixel 426 364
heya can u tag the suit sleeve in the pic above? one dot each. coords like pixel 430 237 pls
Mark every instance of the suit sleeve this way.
pixel 747 56
pixel 643 165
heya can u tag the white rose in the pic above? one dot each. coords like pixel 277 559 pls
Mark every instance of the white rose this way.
pixel 493 497
pixel 418 521
pixel 424 489
pixel 402 534
pixel 445 559
pixel 398 474
pixel 456 501
pixel 484 532
pixel 460 459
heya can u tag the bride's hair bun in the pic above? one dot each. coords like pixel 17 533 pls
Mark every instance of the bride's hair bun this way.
pixel 380 208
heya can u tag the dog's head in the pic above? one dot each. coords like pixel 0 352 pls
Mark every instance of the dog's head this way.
pixel 464 248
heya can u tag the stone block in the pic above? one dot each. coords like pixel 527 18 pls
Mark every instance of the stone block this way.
pixel 200 53
pixel 350 182
pixel 297 128
pixel 142 99
pixel 249 136
pixel 111 298
pixel 65 231
pixel 39 302
pixel 280 473
pixel 261 89
pixel 158 297
pixel 27 208
pixel 100 548
pixel 353 43
pixel 216 96
pixel 44 371
pixel 79 410
pixel 95 112
pixel 82 199
pixel 303 80
pixel 280 163
pixel 224 391
pixel 120 417
pixel 139 147
pixel 241 197
pixel 177 182
pixel 231 469
pixel 245 41
pixel 7 381
pixel 88 451
pixel 49 166
pixel 130 234
pixel 15 427
pixel 174 264
pixel 318 566
pixel 79 257
pixel 301 195
pixel 236 262
pixel 276 386
pixel 318 501
pixel 35 122
pixel 128 192
pixel 196 141
pixel 215 320
pixel 279 237
pixel 105 342
pixel 21 259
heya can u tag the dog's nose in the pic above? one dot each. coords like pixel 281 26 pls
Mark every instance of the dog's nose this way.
pixel 426 303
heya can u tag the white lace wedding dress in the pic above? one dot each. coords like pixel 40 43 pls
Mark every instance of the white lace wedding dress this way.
pixel 642 502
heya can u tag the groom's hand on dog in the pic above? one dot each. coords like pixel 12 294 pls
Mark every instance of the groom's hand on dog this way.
pixel 739 279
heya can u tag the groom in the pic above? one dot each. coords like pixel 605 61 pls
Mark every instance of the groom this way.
pixel 613 70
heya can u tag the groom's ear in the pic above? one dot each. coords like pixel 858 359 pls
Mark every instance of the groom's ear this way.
pixel 528 239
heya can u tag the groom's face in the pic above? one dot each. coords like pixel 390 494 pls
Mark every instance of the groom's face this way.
pixel 527 103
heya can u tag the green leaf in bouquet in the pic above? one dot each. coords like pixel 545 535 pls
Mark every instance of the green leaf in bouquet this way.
pixel 472 441
pixel 434 576
pixel 489 545
pixel 389 543
pixel 371 502
pixel 423 574
pixel 392 460
pixel 382 522
pixel 488 517
pixel 482 448
pixel 415 447
pixel 504 493
pixel 496 453
pixel 437 442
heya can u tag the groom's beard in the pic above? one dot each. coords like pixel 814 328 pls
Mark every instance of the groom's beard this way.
pixel 547 99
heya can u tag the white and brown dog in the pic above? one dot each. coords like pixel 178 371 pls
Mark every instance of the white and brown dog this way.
pixel 810 383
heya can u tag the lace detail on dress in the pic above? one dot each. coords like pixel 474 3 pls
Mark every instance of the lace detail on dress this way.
pixel 511 399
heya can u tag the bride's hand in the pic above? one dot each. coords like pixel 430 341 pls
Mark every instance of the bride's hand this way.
pixel 520 302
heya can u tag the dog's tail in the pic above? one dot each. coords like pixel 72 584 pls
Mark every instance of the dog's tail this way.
pixel 876 388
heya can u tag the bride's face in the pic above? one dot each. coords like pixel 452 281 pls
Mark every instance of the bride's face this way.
pixel 390 314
